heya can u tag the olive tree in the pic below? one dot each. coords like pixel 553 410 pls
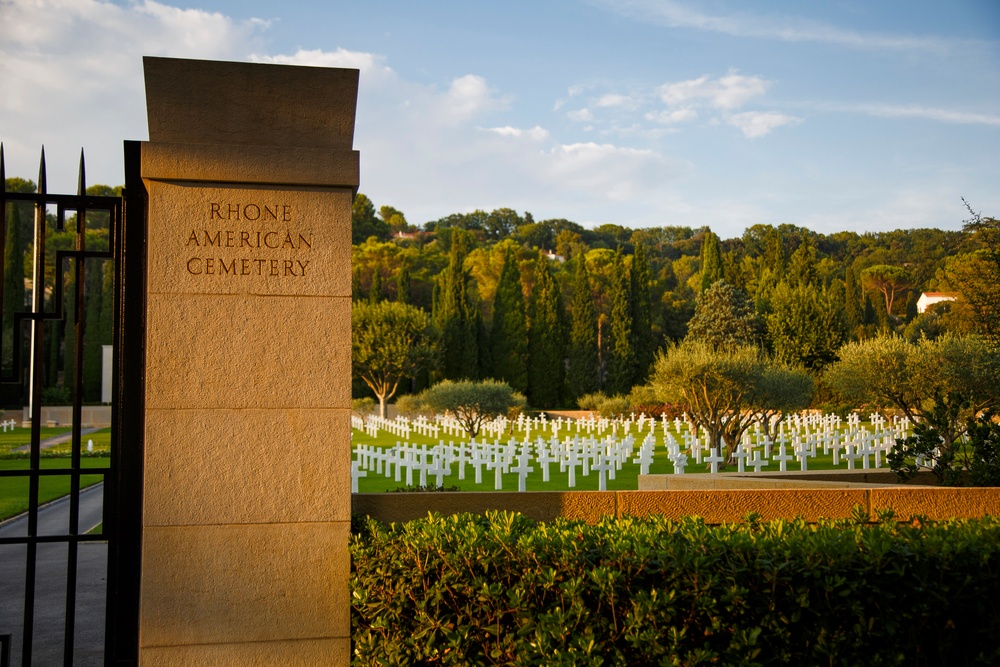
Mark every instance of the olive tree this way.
pixel 472 403
pixel 946 381
pixel 390 341
pixel 724 391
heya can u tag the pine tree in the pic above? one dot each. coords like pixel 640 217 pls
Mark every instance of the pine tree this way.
pixel 642 322
pixel 583 374
pixel 711 261
pixel 621 354
pixel 508 337
pixel 546 341
pixel 459 340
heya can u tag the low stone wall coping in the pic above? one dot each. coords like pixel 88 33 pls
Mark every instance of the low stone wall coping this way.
pixel 714 505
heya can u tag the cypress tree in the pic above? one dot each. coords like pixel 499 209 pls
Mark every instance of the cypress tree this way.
pixel 583 374
pixel 642 322
pixel 108 305
pixel 621 354
pixel 403 283
pixel 775 253
pixel 459 340
pixel 852 300
pixel 508 337
pixel 13 280
pixel 92 334
pixel 711 260
pixel 546 344
pixel 375 293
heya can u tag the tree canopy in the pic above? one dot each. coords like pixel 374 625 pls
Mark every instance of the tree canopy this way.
pixel 472 403
pixel 389 341
pixel 956 373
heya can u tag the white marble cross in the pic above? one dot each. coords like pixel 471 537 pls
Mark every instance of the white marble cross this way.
pixel 522 468
pixel 714 459
pixel 741 455
pixel 757 462
pixel 356 474
pixel 782 458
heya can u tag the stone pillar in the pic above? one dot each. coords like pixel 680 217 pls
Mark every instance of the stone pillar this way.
pixel 250 175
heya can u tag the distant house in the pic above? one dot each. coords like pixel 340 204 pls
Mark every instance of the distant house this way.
pixel 554 257
pixel 930 298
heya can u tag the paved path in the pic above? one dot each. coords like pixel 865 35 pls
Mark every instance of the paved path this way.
pixel 58 440
pixel 50 587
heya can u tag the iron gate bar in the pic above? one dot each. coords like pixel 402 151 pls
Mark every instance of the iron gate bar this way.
pixel 80 204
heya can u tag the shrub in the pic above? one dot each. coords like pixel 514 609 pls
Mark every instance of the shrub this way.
pixel 501 589
pixel 363 406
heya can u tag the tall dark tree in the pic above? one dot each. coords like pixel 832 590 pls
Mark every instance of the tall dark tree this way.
pixel 92 354
pixel 802 266
pixel 774 255
pixel 621 353
pixel 711 261
pixel 643 342
pixel 853 300
pixel 546 340
pixel 403 280
pixel 583 374
pixel 508 337
pixel 13 278
pixel 455 321
pixel 724 318
pixel 375 293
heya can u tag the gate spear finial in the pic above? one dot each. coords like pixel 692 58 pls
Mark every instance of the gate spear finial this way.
pixel 42 186
pixel 82 187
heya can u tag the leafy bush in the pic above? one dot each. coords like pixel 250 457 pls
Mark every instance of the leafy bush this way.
pixel 973 459
pixel 57 395
pixel 363 406
pixel 410 405
pixel 505 590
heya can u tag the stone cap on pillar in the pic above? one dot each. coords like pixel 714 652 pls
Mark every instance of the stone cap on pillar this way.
pixel 250 123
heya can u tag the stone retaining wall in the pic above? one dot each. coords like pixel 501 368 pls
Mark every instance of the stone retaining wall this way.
pixel 714 505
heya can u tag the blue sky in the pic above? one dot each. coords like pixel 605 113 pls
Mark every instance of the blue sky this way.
pixel 849 115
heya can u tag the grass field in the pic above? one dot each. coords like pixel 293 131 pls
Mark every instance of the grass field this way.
pixel 625 479
pixel 22 436
pixel 14 490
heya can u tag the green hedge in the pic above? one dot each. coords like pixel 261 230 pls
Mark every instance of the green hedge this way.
pixel 502 589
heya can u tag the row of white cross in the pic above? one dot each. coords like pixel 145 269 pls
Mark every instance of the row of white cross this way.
pixel 9 423
pixel 856 446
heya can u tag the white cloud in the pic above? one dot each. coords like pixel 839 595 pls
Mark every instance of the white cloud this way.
pixel 756 124
pixel 580 115
pixel 370 64
pixel 675 14
pixel 614 100
pixel 609 171
pixel 672 116
pixel 727 92
pixel 536 133
pixel 71 74
pixel 469 95
pixel 930 113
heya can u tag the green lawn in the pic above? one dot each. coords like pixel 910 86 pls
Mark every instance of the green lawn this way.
pixel 626 479
pixel 22 436
pixel 102 443
pixel 14 490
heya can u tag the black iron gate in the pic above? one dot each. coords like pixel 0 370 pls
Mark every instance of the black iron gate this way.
pixel 77 603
